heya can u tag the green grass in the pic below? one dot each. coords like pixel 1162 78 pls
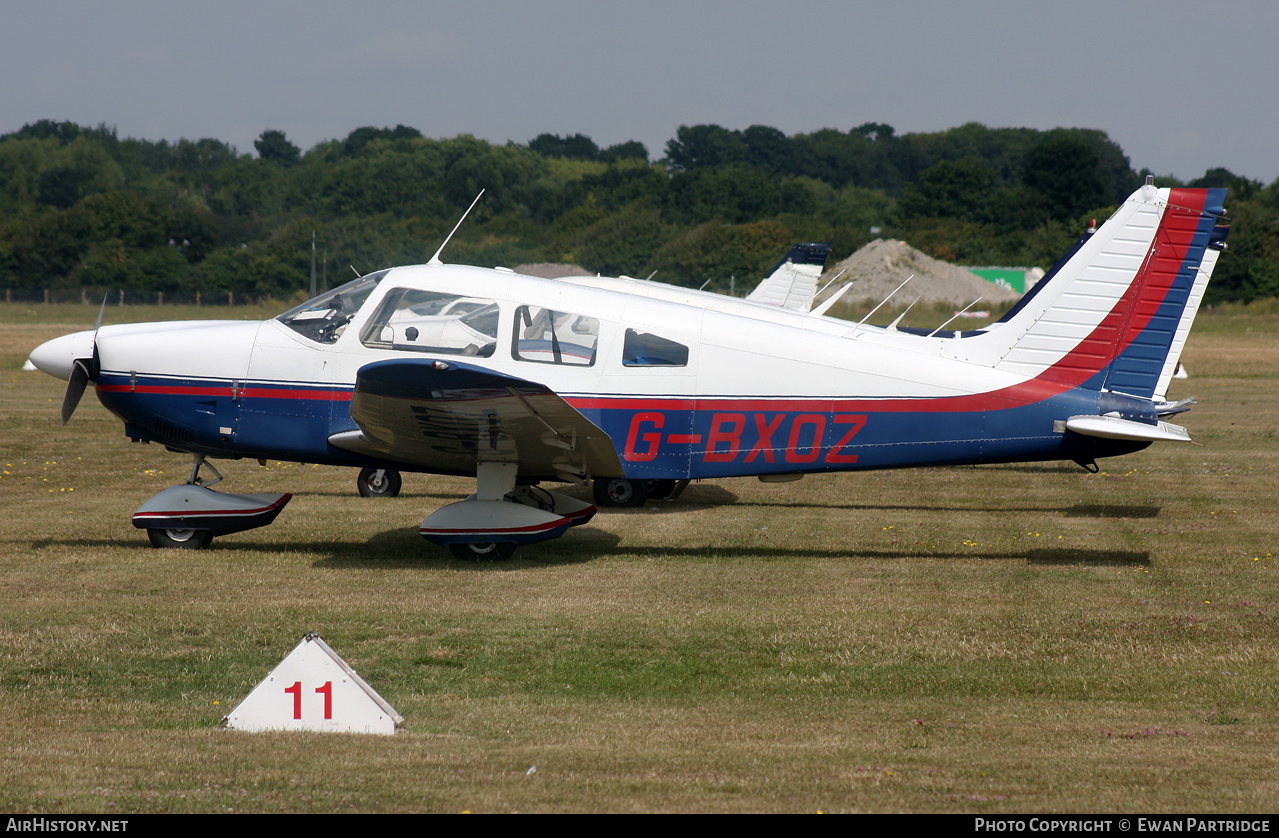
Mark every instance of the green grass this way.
pixel 989 639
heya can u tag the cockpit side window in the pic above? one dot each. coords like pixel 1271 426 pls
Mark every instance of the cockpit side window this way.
pixel 417 320
pixel 324 318
pixel 546 336
pixel 641 349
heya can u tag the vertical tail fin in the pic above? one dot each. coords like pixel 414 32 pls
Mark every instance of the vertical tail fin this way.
pixel 793 282
pixel 1117 312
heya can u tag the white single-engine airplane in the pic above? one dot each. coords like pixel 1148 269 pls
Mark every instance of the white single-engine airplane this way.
pixel 641 387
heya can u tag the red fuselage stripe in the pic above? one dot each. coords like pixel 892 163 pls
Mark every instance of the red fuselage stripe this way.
pixel 227 392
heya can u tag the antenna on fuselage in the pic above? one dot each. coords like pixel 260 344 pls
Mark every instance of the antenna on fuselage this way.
pixel 833 298
pixel 354 271
pixel 862 322
pixel 892 327
pixel 435 260
pixel 830 301
pixel 830 282
pixel 953 316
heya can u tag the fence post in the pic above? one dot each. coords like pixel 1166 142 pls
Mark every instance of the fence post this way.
pixel 197 299
pixel 121 296
pixel 46 296
pixel 159 298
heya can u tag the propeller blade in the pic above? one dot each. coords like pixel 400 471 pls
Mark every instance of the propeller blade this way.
pixel 83 371
pixel 95 363
pixel 75 388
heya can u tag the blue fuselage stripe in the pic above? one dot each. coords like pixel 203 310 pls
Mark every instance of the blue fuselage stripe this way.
pixel 653 439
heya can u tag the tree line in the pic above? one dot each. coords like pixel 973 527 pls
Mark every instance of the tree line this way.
pixel 81 207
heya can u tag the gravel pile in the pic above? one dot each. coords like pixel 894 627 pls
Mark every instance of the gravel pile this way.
pixel 875 271
pixel 882 265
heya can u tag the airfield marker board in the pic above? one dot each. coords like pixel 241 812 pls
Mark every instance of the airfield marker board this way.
pixel 314 689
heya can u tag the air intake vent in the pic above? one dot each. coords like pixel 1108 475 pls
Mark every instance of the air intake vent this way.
pixel 172 431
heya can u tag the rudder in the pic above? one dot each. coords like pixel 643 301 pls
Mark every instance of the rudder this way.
pixel 1111 316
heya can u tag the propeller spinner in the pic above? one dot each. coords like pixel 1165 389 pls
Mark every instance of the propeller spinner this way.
pixel 73 357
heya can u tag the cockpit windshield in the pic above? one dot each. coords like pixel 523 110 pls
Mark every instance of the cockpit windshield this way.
pixel 324 318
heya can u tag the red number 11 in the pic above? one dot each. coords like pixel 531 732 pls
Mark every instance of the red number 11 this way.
pixel 326 691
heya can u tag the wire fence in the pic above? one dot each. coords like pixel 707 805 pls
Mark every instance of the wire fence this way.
pixel 121 297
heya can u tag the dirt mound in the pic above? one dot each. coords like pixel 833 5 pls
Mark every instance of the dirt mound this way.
pixel 882 265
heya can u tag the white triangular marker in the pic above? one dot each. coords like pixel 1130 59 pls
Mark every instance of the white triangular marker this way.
pixel 314 689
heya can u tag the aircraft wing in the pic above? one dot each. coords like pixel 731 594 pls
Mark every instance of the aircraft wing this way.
pixel 448 416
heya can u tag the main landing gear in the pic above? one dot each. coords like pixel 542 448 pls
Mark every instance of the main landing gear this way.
pixel 621 492
pixel 187 517
pixel 379 483
pixel 500 516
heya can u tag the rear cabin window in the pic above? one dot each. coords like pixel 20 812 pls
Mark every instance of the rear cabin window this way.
pixel 431 321
pixel 546 336
pixel 641 349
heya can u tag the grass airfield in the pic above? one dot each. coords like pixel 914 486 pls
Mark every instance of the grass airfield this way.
pixel 998 639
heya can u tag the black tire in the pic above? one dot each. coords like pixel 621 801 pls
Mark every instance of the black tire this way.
pixel 379 482
pixel 180 539
pixel 492 551
pixel 619 492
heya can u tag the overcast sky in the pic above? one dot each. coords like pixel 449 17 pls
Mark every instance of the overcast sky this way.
pixel 1181 86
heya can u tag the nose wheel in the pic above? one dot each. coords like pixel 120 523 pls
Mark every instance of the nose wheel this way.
pixel 487 552
pixel 379 483
pixel 180 539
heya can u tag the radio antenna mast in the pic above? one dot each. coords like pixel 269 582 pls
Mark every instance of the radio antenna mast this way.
pixel 435 260
pixel 876 308
pixel 953 316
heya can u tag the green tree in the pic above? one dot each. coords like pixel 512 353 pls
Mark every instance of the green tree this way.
pixel 1065 172
pixel 963 190
pixel 768 148
pixel 704 146
pixel 629 150
pixel 64 186
pixel 576 146
pixel 736 194
pixel 1247 270
pixel 842 159
pixel 274 147
pixel 203 155
pixel 623 242
pixel 247 270
pixel 358 139
pixel 45 248
pixel 719 254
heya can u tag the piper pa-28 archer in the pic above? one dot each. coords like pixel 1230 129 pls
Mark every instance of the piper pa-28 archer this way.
pixel 640 386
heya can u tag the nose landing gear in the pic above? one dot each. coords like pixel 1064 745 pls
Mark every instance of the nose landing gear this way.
pixel 187 517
